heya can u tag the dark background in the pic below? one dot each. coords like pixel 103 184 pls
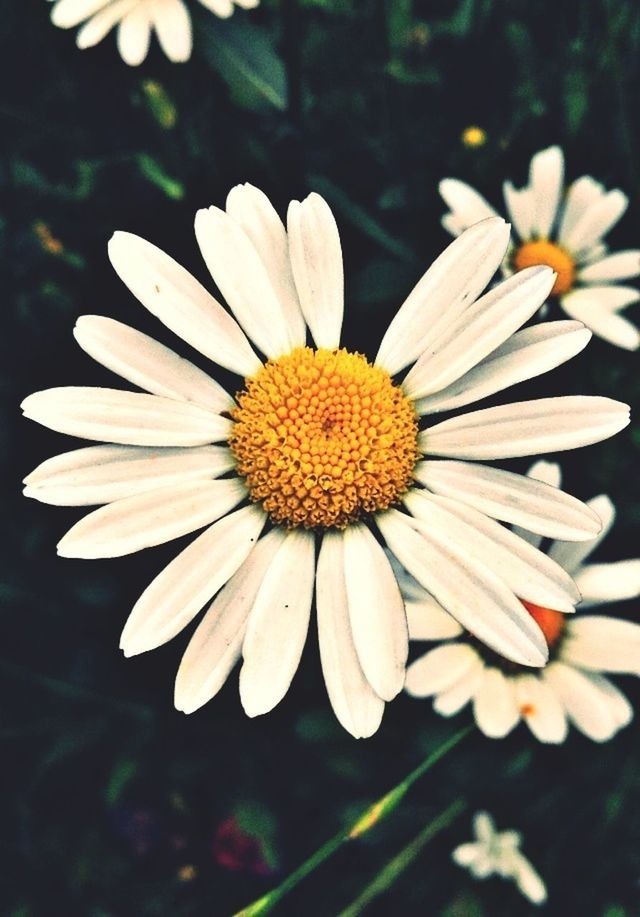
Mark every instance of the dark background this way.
pixel 114 804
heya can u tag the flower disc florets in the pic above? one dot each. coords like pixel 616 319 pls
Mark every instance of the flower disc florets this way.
pixel 543 252
pixel 322 436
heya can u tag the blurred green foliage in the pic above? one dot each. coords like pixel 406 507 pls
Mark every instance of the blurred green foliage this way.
pixel 113 803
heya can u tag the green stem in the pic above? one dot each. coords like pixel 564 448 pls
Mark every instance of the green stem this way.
pixel 396 866
pixel 370 817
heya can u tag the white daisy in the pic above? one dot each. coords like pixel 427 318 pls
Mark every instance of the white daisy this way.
pixel 326 448
pixel 498 853
pixel 572 687
pixel 136 20
pixel 566 232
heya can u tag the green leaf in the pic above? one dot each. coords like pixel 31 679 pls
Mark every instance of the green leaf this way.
pixel 576 101
pixel 246 59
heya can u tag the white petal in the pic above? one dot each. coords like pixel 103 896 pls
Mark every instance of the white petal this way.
pixel 440 669
pixel 595 306
pixel 173 28
pixel 527 428
pixel 409 587
pixel 316 262
pixel 451 701
pixel 146 363
pixel 355 703
pixel 612 582
pixel 466 854
pixel 376 611
pixel 586 704
pixel 620 266
pixel 484 827
pixel 278 624
pixel 95 29
pixel 216 644
pixel 540 709
pixel 546 175
pixel 69 13
pixel 454 280
pixel 512 498
pixel 427 620
pixel 253 210
pixel 102 474
pixel 619 706
pixel 581 195
pixel 152 518
pixel 494 705
pixel 596 221
pixel 134 35
pixel 527 354
pixel 467 205
pixel 181 303
pixel 570 555
pixel 531 575
pixel 178 593
pixel 603 644
pixel 528 880
pixel 476 333
pixel 470 592
pixel 547 473
pixel 521 207
pixel 128 418
pixel 243 280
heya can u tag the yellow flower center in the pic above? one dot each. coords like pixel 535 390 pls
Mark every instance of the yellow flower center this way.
pixel 473 136
pixel 543 252
pixel 550 622
pixel 322 436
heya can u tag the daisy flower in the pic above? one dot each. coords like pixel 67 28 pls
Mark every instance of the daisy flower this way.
pixel 324 449
pixel 572 687
pixel 136 20
pixel 565 231
pixel 498 853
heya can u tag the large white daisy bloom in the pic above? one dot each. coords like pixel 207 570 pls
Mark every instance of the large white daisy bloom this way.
pixel 325 450
pixel 497 853
pixel 565 231
pixel 136 20
pixel 572 688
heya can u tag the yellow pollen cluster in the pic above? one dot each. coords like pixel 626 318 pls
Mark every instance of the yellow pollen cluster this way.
pixel 322 436
pixel 543 252
pixel 473 136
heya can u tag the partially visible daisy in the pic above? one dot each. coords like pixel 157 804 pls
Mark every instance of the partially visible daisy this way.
pixel 136 20
pixel 324 449
pixel 572 687
pixel 566 232
pixel 497 853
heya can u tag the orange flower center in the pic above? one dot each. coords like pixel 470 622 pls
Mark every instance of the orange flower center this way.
pixel 550 622
pixel 322 436
pixel 543 252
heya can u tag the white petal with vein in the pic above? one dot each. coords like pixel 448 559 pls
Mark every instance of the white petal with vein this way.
pixel 355 703
pixel 376 612
pixel 278 624
pixel 178 593
pixel 128 418
pixel 152 518
pixel 494 705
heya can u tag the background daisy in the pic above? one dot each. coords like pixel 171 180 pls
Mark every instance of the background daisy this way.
pixel 565 230
pixel 572 688
pixel 136 20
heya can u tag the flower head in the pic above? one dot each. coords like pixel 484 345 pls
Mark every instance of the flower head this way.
pixel 566 232
pixel 136 20
pixel 498 853
pixel 319 452
pixel 572 687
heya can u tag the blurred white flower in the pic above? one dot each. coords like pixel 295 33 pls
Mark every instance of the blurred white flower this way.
pixel 567 233
pixel 498 853
pixel 325 448
pixel 572 687
pixel 136 20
